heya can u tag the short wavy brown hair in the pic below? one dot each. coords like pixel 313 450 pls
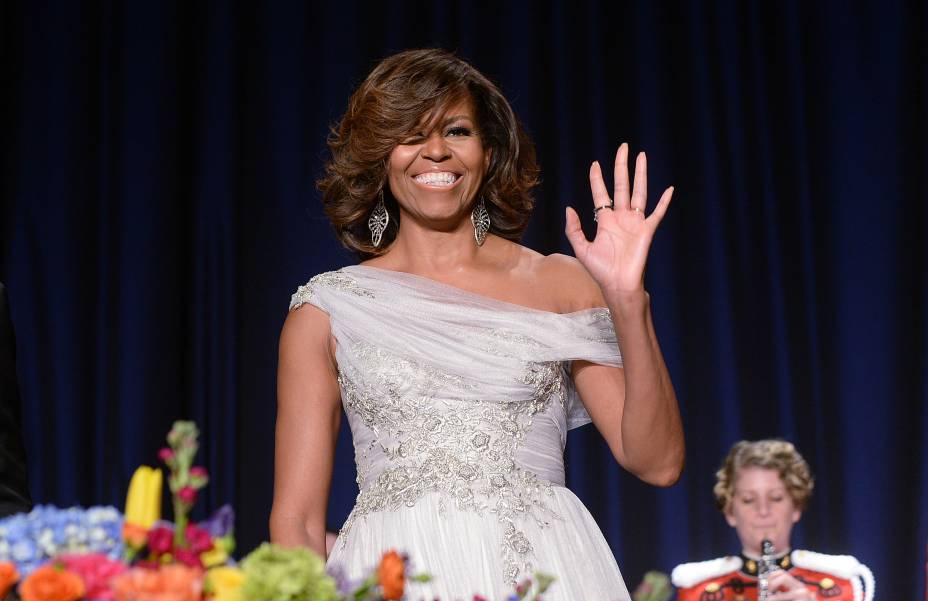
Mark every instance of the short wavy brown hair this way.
pixel 403 90
pixel 771 454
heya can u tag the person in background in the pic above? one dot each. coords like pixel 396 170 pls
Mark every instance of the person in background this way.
pixel 14 490
pixel 762 489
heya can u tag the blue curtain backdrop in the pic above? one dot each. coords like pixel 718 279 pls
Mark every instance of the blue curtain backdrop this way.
pixel 158 209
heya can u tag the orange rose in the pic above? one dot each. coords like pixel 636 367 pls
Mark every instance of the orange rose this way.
pixel 51 583
pixel 135 536
pixel 173 582
pixel 391 575
pixel 8 577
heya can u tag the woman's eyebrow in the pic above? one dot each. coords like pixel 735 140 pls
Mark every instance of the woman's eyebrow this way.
pixel 453 118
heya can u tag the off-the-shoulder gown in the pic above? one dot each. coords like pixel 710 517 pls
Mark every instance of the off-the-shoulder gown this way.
pixel 459 407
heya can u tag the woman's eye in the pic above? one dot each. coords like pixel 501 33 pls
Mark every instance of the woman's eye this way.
pixel 747 500
pixel 459 131
pixel 412 139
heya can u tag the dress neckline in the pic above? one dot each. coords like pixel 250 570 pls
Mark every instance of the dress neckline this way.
pixel 475 295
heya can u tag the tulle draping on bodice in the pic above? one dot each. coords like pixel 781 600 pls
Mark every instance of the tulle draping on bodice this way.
pixel 459 402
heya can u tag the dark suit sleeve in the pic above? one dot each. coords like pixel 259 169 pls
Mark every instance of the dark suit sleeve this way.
pixel 14 490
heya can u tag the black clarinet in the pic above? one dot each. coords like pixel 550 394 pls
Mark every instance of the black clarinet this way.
pixel 766 565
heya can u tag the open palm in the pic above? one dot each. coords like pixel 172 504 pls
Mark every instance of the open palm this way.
pixel 617 256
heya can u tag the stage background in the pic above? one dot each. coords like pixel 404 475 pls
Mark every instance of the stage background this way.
pixel 158 209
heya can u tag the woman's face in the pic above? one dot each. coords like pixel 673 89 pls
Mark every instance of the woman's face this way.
pixel 761 507
pixel 435 173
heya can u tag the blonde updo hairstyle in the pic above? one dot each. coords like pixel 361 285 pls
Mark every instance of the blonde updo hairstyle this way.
pixel 770 454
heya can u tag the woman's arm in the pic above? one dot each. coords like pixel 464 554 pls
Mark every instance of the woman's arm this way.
pixel 308 417
pixel 634 407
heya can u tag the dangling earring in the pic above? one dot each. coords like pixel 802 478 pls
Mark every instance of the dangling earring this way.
pixel 378 221
pixel 481 220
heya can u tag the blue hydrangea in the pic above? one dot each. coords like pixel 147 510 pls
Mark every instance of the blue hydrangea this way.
pixel 31 539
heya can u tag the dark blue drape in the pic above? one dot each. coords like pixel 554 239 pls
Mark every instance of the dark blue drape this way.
pixel 158 209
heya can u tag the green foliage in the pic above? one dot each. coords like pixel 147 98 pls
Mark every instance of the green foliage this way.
pixel 654 587
pixel 273 573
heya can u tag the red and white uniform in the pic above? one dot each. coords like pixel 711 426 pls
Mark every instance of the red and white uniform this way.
pixel 734 578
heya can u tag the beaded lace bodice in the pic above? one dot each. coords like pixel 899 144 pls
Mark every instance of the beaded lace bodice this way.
pixel 457 395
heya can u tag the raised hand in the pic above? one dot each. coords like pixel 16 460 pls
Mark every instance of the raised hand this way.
pixel 617 255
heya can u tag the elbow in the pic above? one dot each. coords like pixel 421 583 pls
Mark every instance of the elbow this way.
pixel 665 474
pixel 665 477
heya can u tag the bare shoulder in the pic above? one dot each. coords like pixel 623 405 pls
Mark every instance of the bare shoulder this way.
pixel 570 282
pixel 560 282
pixel 306 330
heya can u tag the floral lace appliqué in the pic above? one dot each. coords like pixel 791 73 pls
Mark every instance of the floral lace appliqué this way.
pixel 462 450
pixel 333 279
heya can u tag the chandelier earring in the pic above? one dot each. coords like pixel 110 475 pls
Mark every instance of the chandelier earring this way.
pixel 378 221
pixel 481 220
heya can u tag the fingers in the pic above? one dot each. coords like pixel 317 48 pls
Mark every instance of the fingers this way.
pixel 784 587
pixel 574 232
pixel 662 205
pixel 640 191
pixel 635 199
pixel 620 175
pixel 598 187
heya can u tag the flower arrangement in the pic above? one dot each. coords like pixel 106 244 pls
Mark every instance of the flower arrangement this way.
pixel 100 554
pixel 153 542
pixel 29 540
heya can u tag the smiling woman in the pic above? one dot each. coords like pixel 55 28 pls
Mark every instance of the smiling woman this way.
pixel 460 357
pixel 434 173
pixel 409 100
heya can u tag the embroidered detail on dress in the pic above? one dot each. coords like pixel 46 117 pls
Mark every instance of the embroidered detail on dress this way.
pixel 602 315
pixel 333 279
pixel 462 450
pixel 541 376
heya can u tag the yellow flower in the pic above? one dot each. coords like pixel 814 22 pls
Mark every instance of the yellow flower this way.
pixel 214 557
pixel 143 501
pixel 225 582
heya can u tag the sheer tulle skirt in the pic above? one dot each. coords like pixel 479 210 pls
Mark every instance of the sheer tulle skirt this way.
pixel 461 550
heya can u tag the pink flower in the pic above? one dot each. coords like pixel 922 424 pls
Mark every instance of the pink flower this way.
pixel 167 583
pixel 198 471
pixel 166 454
pixel 188 495
pixel 160 540
pixel 96 570
pixel 188 557
pixel 198 539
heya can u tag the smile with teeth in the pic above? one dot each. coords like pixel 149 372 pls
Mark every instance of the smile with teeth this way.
pixel 441 178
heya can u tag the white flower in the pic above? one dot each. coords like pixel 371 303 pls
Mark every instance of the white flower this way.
pixel 46 537
pixel 97 534
pixel 97 515
pixel 22 551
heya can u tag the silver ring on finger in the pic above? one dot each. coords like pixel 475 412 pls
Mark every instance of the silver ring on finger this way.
pixel 638 210
pixel 610 206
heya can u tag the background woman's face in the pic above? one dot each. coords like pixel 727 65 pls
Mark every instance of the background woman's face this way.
pixel 435 173
pixel 761 507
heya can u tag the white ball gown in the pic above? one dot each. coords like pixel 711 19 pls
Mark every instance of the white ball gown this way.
pixel 459 407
